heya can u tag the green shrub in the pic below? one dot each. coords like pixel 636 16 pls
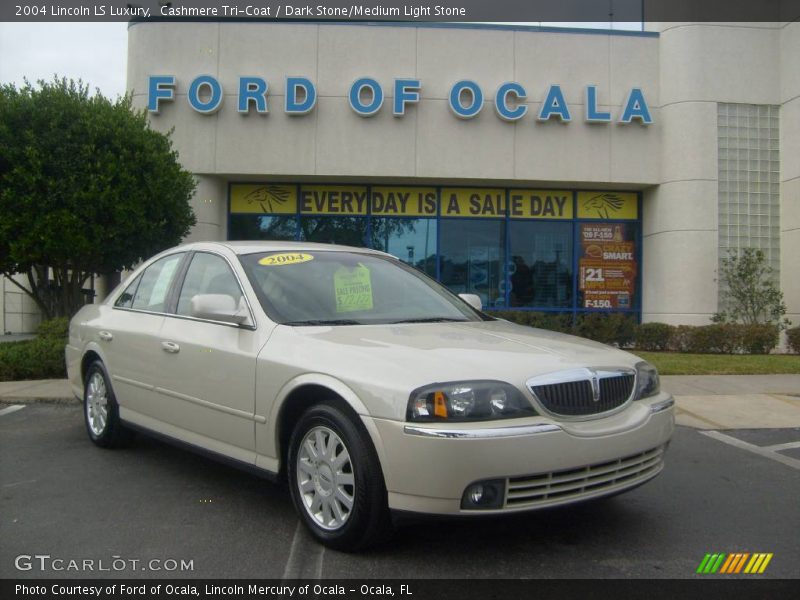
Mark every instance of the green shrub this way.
pixel 40 358
pixel 759 338
pixel 653 336
pixel 542 320
pixel 793 338
pixel 607 328
pixel 720 338
pixel 679 342
pixel 621 329
pixel 58 327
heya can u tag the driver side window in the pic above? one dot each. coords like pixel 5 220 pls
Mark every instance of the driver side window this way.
pixel 207 274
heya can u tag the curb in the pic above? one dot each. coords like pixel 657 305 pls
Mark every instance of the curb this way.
pixel 39 400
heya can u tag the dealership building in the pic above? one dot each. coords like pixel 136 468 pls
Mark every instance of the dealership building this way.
pixel 543 169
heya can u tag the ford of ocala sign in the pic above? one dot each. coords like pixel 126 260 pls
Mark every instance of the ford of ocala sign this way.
pixel 366 97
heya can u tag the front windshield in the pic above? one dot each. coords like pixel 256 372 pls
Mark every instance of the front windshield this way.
pixel 348 288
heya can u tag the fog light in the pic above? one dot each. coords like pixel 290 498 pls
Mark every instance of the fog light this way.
pixel 484 494
pixel 475 493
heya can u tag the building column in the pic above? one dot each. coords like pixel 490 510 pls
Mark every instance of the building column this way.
pixel 210 205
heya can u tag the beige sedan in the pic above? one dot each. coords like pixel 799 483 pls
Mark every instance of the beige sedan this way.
pixel 366 384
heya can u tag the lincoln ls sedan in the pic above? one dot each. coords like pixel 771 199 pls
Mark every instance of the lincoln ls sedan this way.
pixel 370 387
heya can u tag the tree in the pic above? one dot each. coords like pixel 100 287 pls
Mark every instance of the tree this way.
pixel 750 293
pixel 86 187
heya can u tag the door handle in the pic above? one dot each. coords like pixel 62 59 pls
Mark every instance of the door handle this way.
pixel 170 347
pixel 106 336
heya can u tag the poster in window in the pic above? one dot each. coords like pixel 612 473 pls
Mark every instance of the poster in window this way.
pixel 607 266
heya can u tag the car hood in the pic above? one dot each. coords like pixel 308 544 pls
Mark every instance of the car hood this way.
pixel 378 360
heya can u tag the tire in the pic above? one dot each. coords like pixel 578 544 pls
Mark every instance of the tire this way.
pixel 336 480
pixel 101 411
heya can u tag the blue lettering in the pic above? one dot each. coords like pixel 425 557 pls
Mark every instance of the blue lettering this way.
pixel 636 108
pixel 554 105
pixel 593 115
pixel 406 91
pixel 215 100
pixel 252 89
pixel 160 87
pixel 501 101
pixel 293 87
pixel 366 110
pixel 476 99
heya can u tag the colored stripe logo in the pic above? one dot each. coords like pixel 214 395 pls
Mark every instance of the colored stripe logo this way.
pixel 735 563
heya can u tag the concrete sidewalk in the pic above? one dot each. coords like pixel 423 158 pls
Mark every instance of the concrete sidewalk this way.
pixel 735 401
pixel 41 390
pixel 703 402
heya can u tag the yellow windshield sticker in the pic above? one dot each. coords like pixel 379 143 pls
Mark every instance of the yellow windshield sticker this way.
pixel 353 288
pixel 288 258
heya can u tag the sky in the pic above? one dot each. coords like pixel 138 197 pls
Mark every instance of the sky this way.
pixel 93 52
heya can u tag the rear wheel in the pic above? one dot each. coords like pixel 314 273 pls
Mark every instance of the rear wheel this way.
pixel 101 411
pixel 336 481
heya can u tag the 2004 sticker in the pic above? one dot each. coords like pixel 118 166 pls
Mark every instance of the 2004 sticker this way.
pixel 287 258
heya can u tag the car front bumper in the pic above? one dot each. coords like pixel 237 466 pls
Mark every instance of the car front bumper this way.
pixel 541 462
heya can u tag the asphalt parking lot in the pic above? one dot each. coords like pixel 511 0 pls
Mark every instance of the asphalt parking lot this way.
pixel 63 497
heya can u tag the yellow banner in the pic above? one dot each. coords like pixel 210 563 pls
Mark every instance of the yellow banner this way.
pixel 393 201
pixel 264 198
pixel 473 202
pixel 539 204
pixel 607 205
pixel 333 199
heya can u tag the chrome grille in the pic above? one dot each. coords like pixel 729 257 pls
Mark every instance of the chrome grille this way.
pixel 581 392
pixel 560 486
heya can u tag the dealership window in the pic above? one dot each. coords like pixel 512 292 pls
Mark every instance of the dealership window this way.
pixel 471 258
pixel 411 240
pixel 262 227
pixel 540 269
pixel 347 231
pixel 536 249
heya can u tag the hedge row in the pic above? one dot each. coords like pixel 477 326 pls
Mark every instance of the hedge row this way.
pixel 39 358
pixel 793 337
pixel 623 331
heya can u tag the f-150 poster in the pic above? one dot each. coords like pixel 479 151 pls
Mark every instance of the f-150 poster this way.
pixel 607 265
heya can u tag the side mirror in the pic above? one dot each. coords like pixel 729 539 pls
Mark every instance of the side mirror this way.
pixel 473 300
pixel 218 307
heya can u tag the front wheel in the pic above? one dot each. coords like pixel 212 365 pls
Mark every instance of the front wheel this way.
pixel 101 411
pixel 336 481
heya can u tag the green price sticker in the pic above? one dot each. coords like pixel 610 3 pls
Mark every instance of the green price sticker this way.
pixel 353 288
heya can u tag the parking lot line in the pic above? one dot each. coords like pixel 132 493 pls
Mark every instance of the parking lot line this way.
pixel 786 446
pixel 11 409
pixel 305 557
pixel 761 451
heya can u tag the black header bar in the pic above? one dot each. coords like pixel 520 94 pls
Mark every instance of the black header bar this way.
pixel 530 12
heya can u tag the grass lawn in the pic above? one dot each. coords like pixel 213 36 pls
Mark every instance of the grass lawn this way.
pixel 673 363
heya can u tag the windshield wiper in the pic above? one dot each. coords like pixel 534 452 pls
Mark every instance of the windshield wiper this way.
pixel 324 322
pixel 431 320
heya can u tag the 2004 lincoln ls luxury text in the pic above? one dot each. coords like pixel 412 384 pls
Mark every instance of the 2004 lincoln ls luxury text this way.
pixel 367 384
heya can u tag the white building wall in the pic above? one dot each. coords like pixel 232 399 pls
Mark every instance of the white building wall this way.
pixel 429 142
pixel 700 65
pixel 790 166
pixel 18 311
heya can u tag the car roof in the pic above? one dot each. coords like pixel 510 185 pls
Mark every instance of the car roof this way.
pixel 256 246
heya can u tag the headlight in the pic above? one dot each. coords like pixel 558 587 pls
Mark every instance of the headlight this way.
pixel 647 383
pixel 467 401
